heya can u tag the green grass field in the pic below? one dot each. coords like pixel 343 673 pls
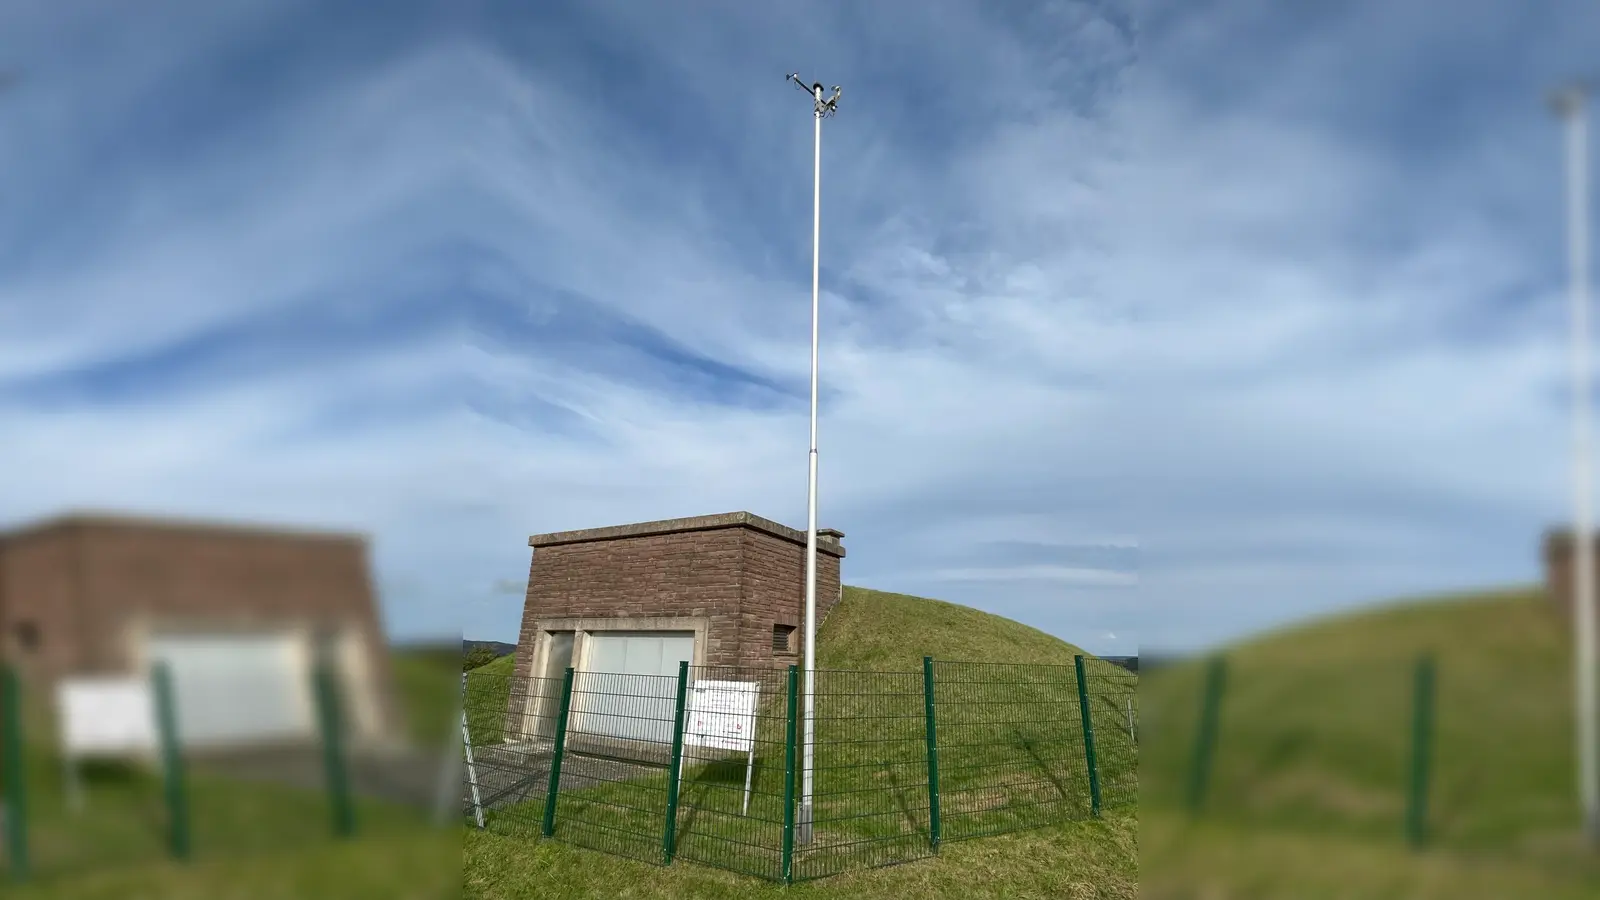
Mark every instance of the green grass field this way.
pixel 1308 792
pixel 1011 760
pixel 249 840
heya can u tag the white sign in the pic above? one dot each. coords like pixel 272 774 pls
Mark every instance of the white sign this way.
pixel 722 714
pixel 106 716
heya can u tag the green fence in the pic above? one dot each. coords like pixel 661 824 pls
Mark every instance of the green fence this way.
pixel 66 818
pixel 710 766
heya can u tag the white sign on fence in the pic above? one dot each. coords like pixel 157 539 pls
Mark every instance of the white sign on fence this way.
pixel 106 717
pixel 103 717
pixel 722 714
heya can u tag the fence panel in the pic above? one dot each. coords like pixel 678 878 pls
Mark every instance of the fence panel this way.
pixel 1011 751
pixel 1114 706
pixel 870 787
pixel 1009 743
pixel 730 811
pixel 614 773
pixel 510 738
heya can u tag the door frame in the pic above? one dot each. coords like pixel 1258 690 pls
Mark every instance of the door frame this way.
pixel 581 628
pixel 354 656
pixel 301 646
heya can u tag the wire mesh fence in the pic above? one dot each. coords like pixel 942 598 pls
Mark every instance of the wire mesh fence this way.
pixel 1011 748
pixel 67 810
pixel 508 732
pixel 711 766
pixel 870 795
pixel 1113 696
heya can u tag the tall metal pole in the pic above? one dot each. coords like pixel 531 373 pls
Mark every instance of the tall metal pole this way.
pixel 821 108
pixel 1570 104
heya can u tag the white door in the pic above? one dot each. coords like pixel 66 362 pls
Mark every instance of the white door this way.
pixel 630 685
pixel 237 689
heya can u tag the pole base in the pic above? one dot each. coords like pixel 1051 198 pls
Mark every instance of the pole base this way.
pixel 802 826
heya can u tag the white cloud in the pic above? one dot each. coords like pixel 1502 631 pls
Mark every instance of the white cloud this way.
pixel 1102 308
pixel 1065 575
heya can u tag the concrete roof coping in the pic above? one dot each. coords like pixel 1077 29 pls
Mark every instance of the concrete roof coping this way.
pixel 827 538
pixel 96 519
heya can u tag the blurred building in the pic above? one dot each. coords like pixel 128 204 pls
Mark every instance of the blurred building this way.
pixel 238 613
pixel 1558 569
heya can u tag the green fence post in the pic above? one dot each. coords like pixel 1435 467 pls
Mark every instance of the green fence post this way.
pixel 549 825
pixel 669 836
pixel 333 762
pixel 1421 741
pixel 1206 737
pixel 1088 736
pixel 172 761
pixel 788 774
pixel 933 753
pixel 15 781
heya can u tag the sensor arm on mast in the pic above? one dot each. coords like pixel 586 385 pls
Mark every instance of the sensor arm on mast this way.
pixel 822 107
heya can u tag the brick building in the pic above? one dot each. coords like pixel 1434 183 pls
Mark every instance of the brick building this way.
pixel 636 599
pixel 237 613
pixel 1558 571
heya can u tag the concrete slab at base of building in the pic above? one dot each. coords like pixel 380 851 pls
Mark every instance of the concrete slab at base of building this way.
pixel 635 600
pixel 239 615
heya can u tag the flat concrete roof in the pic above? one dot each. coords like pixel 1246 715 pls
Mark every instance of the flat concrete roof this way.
pixel 827 538
pixel 95 519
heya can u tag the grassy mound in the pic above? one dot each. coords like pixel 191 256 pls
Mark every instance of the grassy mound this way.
pixel 1013 755
pixel 878 631
pixel 1315 729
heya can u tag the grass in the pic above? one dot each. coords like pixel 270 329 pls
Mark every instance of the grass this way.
pixel 1070 861
pixel 428 681
pixel 249 840
pixel 876 631
pixel 1014 756
pixel 1311 766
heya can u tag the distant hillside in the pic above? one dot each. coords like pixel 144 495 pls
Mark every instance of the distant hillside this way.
pixel 499 648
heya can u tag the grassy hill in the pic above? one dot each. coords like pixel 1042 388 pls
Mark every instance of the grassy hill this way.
pixel 1314 742
pixel 876 631
pixel 868 631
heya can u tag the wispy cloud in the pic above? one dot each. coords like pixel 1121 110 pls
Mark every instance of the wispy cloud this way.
pixel 1144 326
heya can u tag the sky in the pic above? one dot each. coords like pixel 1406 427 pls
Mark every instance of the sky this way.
pixel 1150 325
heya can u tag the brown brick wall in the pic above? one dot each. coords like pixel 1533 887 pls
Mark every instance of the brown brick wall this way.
pixel 694 574
pixel 1558 551
pixel 40 585
pixel 117 574
pixel 742 579
pixel 774 591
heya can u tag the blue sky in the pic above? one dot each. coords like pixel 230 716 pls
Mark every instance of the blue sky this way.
pixel 1144 324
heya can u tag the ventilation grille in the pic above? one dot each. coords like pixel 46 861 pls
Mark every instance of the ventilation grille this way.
pixel 783 638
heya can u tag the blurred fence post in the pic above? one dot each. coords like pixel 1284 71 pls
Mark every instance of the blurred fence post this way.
pixel 1088 735
pixel 788 773
pixel 177 794
pixel 1421 746
pixel 471 768
pixel 933 753
pixel 1206 735
pixel 333 757
pixel 669 835
pixel 549 824
pixel 14 781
